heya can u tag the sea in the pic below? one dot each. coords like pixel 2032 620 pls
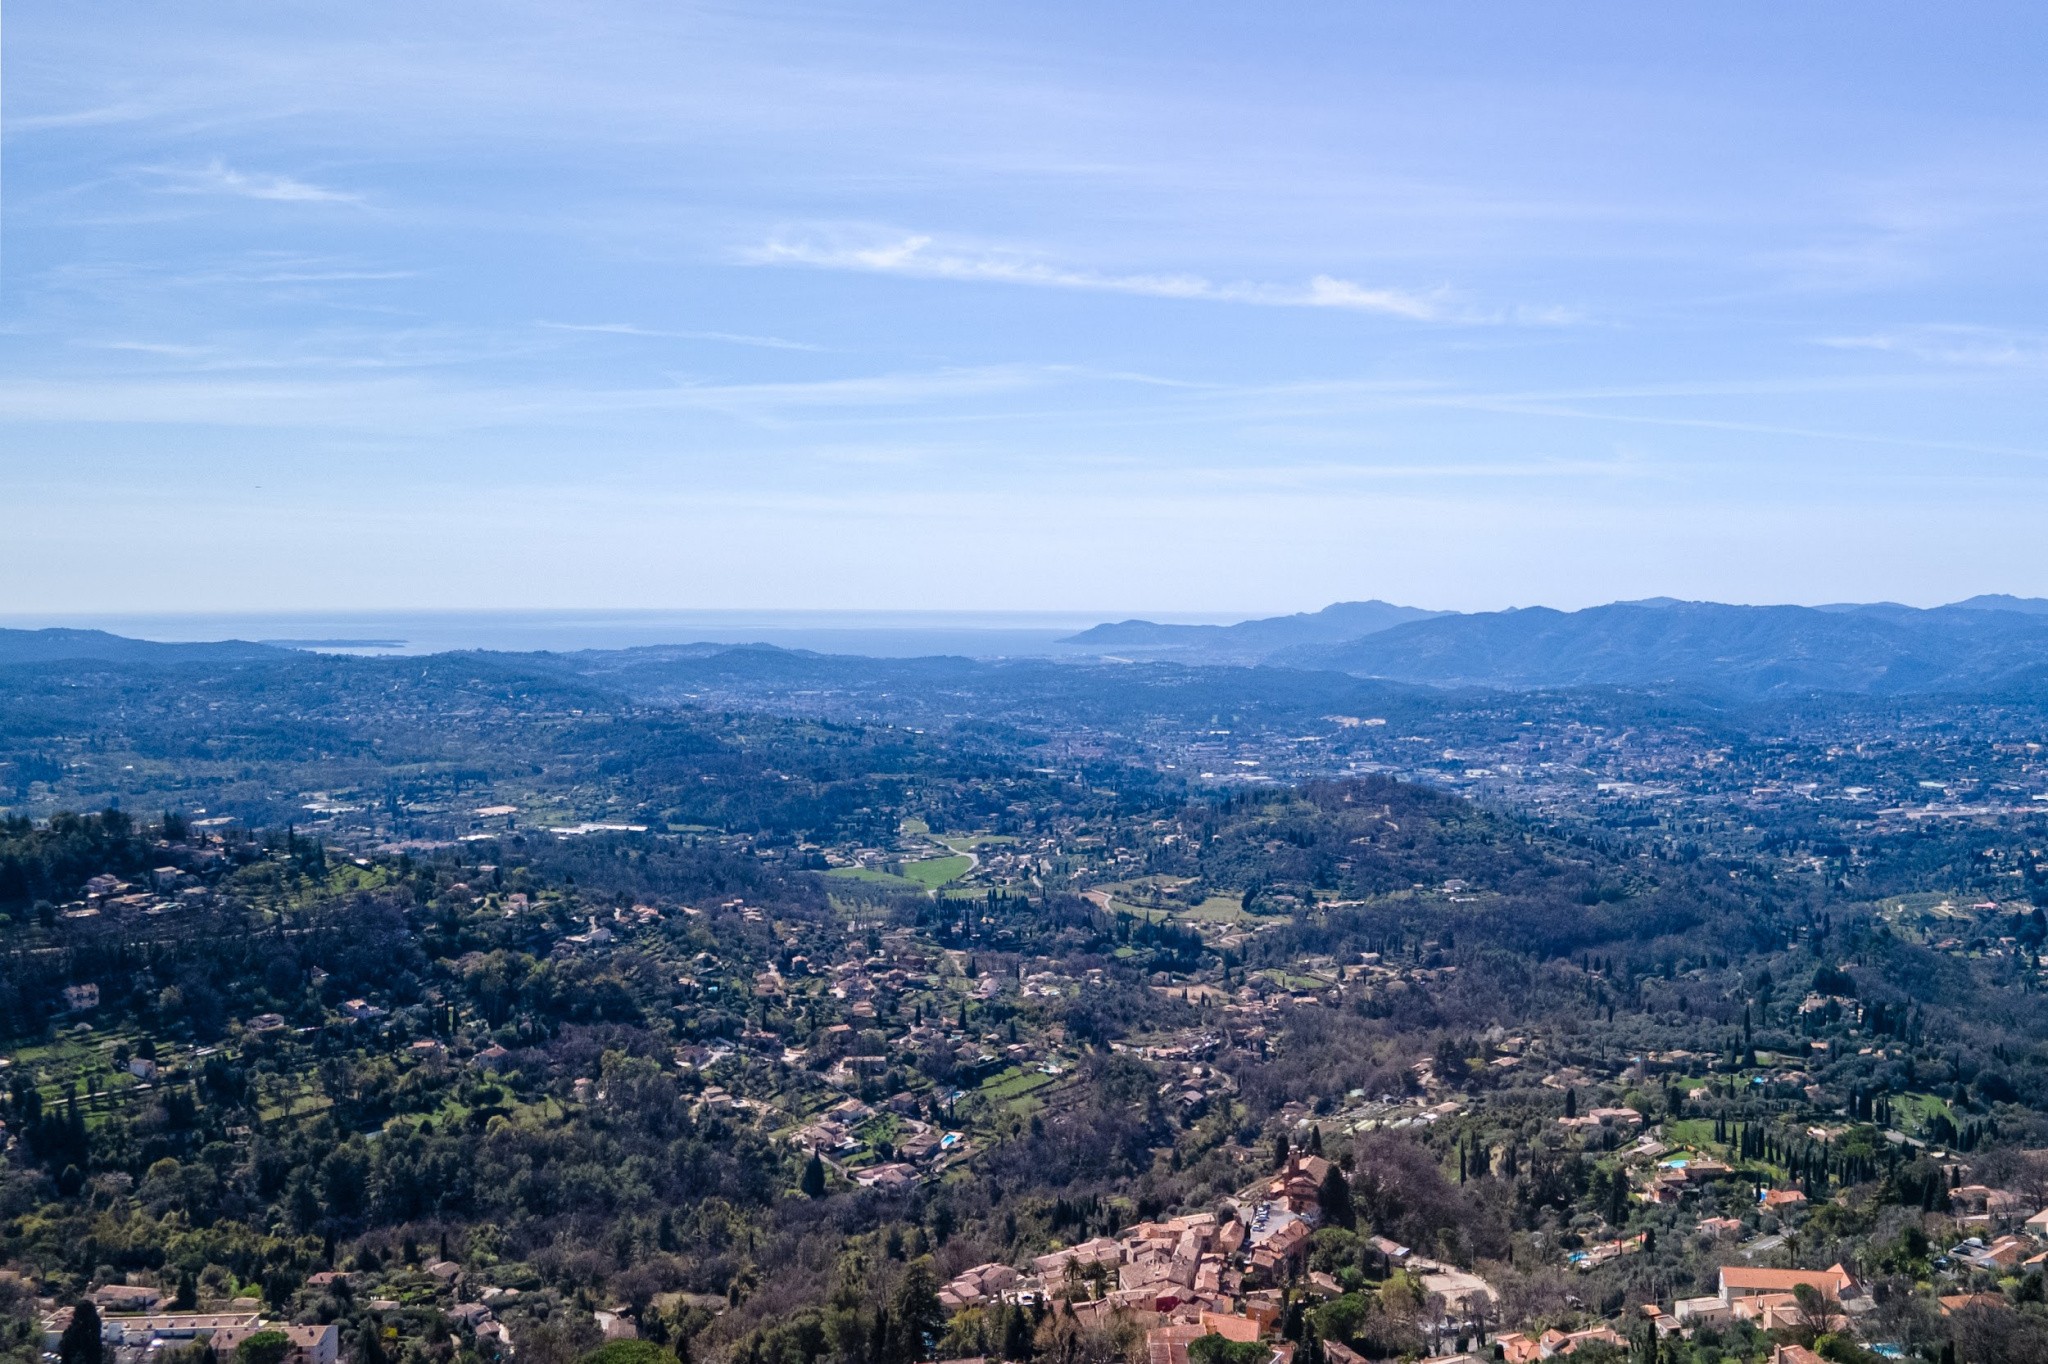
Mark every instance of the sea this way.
pixel 874 634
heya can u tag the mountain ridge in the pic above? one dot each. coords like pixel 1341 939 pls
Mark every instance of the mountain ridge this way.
pixel 59 644
pixel 1742 651
pixel 1252 640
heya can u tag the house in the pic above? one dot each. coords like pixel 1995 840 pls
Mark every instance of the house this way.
pixel 1553 1343
pixel 1662 1322
pixel 1708 1311
pixel 1795 1354
pixel 1978 1205
pixel 309 1344
pixel 1241 1329
pixel 79 998
pixel 973 1287
pixel 890 1176
pixel 1782 1200
pixel 1773 1312
pixel 1299 1186
pixel 1286 1246
pixel 123 1297
pixel 1666 1188
pixel 145 1332
pixel 1169 1344
pixel 1100 1251
pixel 1741 1281
pixel 2002 1254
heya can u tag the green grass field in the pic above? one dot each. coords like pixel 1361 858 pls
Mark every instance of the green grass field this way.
pixel 1218 909
pixel 934 872
pixel 873 877
pixel 1697 1133
pixel 927 875
pixel 1013 1084
pixel 1912 1112
pixel 1215 909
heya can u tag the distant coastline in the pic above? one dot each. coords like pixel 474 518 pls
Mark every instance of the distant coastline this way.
pixel 879 634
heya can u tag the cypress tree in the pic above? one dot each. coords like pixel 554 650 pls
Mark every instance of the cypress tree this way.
pixel 80 1343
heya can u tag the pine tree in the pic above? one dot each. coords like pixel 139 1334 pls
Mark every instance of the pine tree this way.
pixel 813 1184
pixel 919 1315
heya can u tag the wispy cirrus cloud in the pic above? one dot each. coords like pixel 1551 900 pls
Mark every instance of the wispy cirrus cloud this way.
pixel 921 257
pixel 99 116
pixel 418 401
pixel 219 178
pixel 1952 344
pixel 633 329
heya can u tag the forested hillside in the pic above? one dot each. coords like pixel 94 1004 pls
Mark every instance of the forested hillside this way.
pixel 545 1010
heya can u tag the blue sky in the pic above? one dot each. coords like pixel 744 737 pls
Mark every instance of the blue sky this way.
pixel 1149 306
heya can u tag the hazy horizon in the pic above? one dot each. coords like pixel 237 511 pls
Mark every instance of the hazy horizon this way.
pixel 873 633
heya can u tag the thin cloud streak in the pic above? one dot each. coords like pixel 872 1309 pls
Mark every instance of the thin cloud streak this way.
pixel 915 257
pixel 217 177
pixel 1952 344
pixel 80 118
pixel 631 329
pixel 412 404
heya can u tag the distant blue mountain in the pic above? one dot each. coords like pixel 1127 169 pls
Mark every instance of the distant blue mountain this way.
pixel 2000 601
pixel 1251 640
pixel 1739 651
pixel 1987 644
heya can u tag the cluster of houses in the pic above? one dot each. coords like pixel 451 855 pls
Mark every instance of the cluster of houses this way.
pixel 917 1149
pixel 1222 1273
pixel 1771 1299
pixel 1185 1269
pixel 136 1328
pixel 132 1331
